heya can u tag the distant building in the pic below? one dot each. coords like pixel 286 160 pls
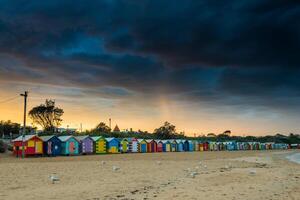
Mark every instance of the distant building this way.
pixel 68 130
pixel 116 129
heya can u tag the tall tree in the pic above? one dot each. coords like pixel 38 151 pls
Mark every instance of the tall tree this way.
pixel 167 131
pixel 47 115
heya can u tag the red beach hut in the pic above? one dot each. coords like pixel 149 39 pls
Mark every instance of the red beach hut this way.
pixel 151 146
pixel 33 145
pixel 159 145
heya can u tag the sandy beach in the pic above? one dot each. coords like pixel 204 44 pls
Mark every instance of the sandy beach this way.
pixel 188 175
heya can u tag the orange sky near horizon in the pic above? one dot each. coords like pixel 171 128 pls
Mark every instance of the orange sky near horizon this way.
pixel 199 120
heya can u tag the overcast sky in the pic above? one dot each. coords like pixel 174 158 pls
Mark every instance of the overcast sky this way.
pixel 205 66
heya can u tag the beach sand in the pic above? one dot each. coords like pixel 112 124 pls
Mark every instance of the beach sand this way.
pixel 221 175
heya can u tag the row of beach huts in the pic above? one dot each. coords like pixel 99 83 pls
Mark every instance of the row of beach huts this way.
pixel 77 145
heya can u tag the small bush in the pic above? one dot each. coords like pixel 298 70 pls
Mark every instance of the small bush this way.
pixel 2 147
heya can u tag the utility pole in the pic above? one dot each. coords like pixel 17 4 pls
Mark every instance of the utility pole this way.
pixel 110 123
pixel 24 123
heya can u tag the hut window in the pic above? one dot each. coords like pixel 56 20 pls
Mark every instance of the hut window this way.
pixel 30 143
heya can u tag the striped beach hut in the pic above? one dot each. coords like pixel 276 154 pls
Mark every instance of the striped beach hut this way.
pixel 151 145
pixel 143 145
pixel 69 145
pixel 51 145
pixel 180 146
pixel 86 144
pixel 135 145
pixel 33 145
pixel 99 144
pixel 112 145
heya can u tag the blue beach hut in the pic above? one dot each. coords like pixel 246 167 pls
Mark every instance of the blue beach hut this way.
pixel 51 145
pixel 180 145
pixel 143 145
pixel 113 145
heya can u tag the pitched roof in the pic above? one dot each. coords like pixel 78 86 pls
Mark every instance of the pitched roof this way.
pixel 179 141
pixel 149 140
pixel 165 141
pixel 26 137
pixel 116 129
pixel 83 137
pixel 95 138
pixel 140 140
pixel 110 139
pixel 65 138
pixel 47 137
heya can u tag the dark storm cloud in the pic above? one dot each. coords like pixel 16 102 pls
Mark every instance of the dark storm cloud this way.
pixel 197 50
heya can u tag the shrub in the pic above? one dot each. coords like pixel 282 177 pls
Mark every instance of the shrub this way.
pixel 2 147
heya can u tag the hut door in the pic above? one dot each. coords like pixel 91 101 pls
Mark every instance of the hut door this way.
pixel 49 150
pixel 71 147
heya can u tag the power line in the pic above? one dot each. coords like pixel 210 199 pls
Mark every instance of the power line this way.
pixel 9 99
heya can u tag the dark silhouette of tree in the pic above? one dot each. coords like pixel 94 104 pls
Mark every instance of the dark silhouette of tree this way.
pixel 8 127
pixel 227 132
pixel 101 128
pixel 47 115
pixel 167 131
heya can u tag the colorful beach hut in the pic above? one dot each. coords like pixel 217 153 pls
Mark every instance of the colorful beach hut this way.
pixel 159 145
pixel 151 145
pixel 86 144
pixel 135 145
pixel 186 145
pixel 206 146
pixel 196 145
pixel 99 144
pixel 69 145
pixel 142 145
pixel 124 145
pixel 179 145
pixel 112 145
pixel 51 145
pixel 191 145
pixel 173 145
pixel 201 146
pixel 166 145
pixel 33 145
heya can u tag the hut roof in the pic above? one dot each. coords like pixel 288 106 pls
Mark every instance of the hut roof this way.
pixel 140 140
pixel 157 141
pixel 110 139
pixel 47 137
pixel 83 137
pixel 165 141
pixel 179 141
pixel 65 138
pixel 26 137
pixel 95 138
pixel 150 140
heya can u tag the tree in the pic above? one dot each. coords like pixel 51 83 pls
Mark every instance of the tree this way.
pixel 8 127
pixel 47 115
pixel 227 132
pixel 167 131
pixel 102 128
